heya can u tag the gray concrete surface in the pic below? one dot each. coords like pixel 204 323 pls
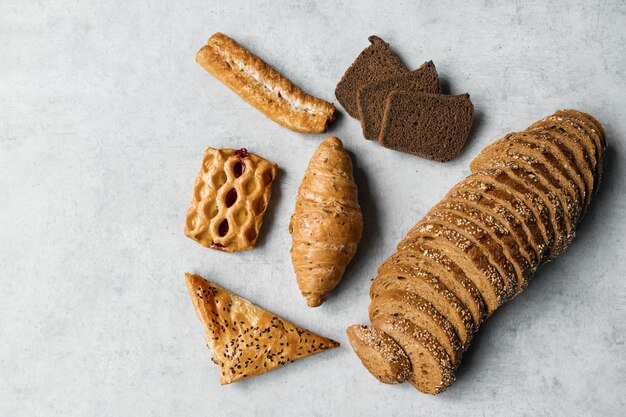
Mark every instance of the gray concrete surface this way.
pixel 104 119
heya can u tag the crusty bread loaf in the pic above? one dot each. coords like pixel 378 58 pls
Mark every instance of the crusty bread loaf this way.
pixel 520 207
pixel 263 87
pixel 380 354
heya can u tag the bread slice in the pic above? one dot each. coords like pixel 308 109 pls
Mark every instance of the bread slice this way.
pixel 433 261
pixel 533 200
pixel 497 232
pixel 431 126
pixel 545 155
pixel 465 253
pixel 583 126
pixel 575 128
pixel 375 63
pixel 573 134
pixel 420 312
pixel 544 175
pixel 474 233
pixel 575 159
pixel 400 276
pixel 246 340
pixel 380 354
pixel 371 97
pixel 590 121
pixel 433 370
pixel 526 176
pixel 506 225
pixel 484 183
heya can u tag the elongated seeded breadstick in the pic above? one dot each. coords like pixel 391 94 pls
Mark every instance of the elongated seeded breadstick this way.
pixel 264 87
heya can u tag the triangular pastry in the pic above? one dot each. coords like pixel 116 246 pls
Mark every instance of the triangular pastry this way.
pixel 246 340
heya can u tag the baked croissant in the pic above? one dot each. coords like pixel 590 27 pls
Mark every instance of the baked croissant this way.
pixel 327 223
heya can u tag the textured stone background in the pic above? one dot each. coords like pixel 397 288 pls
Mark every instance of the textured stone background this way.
pixel 104 119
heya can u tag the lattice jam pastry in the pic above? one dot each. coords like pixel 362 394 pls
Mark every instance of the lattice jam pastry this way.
pixel 229 199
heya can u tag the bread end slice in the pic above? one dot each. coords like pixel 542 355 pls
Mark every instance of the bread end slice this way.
pixel 380 354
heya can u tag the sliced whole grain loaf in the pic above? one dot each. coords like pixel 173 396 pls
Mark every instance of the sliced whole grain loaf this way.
pixel 519 207
pixel 474 233
pixel 371 97
pixel 431 126
pixel 380 354
pixel 497 231
pixel 420 312
pixel 433 370
pixel 434 262
pixel 374 63
pixel 465 254
pixel 411 279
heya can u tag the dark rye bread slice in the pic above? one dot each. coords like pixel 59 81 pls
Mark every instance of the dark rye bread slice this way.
pixel 485 183
pixel 537 149
pixel 433 261
pixel 433 370
pixel 431 126
pixel 420 312
pixel 540 186
pixel 374 63
pixel 533 200
pixel 507 226
pixel 371 97
pixel 473 232
pixel 380 354
pixel 398 276
pixel 497 232
pixel 466 254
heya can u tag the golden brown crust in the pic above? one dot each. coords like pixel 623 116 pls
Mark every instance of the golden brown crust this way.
pixel 327 223
pixel 229 199
pixel 246 340
pixel 263 87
